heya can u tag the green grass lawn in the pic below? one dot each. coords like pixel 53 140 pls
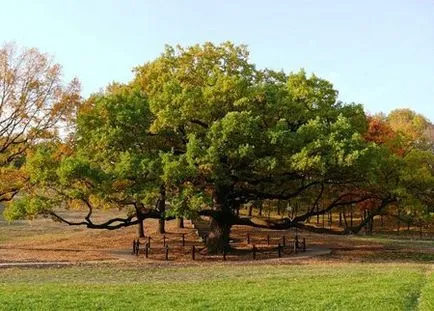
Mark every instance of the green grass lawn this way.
pixel 427 293
pixel 220 287
pixel 396 241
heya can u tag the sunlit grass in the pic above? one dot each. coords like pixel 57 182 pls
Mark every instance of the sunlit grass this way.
pixel 426 299
pixel 219 287
pixel 397 241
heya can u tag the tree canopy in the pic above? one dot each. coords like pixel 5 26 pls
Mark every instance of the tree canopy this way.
pixel 201 131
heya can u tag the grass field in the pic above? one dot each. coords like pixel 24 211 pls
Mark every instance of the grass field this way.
pixel 220 287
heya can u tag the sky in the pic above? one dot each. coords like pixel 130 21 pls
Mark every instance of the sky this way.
pixel 378 53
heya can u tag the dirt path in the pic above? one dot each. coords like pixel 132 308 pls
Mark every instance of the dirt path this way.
pixel 124 255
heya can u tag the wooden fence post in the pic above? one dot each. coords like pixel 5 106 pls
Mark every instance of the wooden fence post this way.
pixel 279 250
pixel 164 240
pixel 167 252
pixel 248 238
pixel 137 248
pixel 268 239
pixel 304 244
pixel 254 252
pixel 193 252
pixel 330 219
pixel 224 254
pixel 183 239
pixel 295 247
pixel 146 250
pixel 134 247
pixel 421 231
pixel 149 241
pixel 284 241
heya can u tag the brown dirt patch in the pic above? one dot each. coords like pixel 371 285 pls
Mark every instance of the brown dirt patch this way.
pixel 44 240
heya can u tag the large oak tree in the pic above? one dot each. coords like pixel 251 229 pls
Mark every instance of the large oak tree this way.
pixel 201 131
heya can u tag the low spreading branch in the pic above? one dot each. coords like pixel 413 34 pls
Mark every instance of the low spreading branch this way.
pixel 111 224
pixel 9 195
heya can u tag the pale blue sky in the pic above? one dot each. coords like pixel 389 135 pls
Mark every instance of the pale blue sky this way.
pixel 378 53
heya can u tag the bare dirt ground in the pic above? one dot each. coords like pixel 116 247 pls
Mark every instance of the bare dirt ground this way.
pixel 43 240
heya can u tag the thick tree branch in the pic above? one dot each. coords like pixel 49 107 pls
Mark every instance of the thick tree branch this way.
pixel 111 224
pixel 199 122
pixel 8 196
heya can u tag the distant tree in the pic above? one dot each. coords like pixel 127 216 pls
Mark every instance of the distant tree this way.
pixel 34 103
pixel 417 185
pixel 407 177
pixel 411 126
pixel 379 131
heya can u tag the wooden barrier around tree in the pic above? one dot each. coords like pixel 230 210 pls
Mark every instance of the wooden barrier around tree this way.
pixel 284 246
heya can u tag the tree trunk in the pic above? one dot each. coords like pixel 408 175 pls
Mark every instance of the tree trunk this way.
pixel 295 209
pixel 323 220
pixel 140 226
pixel 221 222
pixel 420 230
pixel 344 216
pixel 250 209
pixel 161 226
pixel 399 222
pixel 180 222
pixel 141 229
pixel 218 237
pixel 364 218
pixel 369 217
pixel 260 207
pixel 162 209
pixel 330 220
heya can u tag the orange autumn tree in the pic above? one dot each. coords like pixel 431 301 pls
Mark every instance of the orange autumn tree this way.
pixel 404 133
pixel 381 133
pixel 401 131
pixel 410 125
pixel 34 105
